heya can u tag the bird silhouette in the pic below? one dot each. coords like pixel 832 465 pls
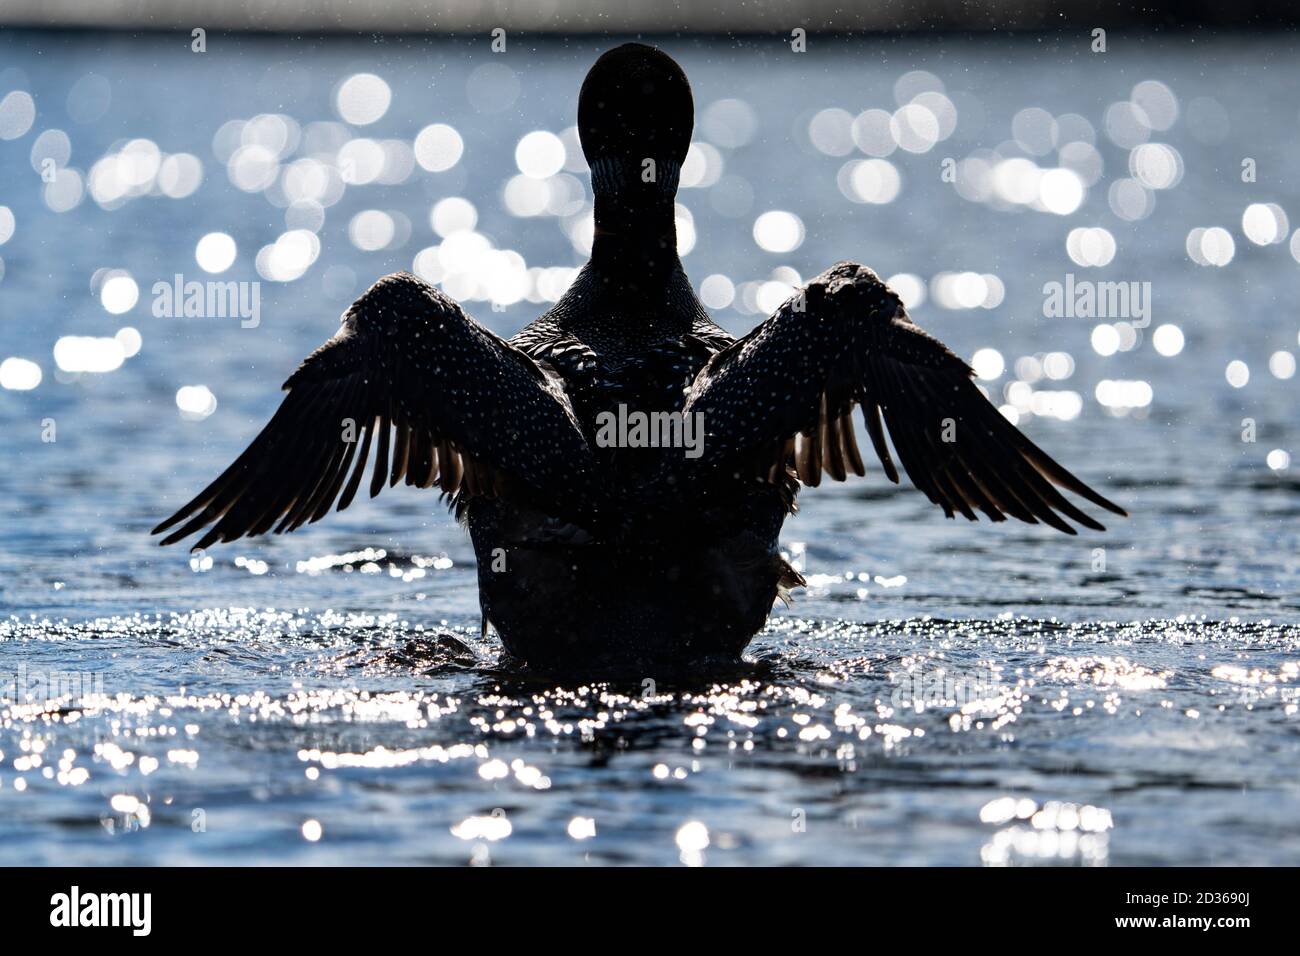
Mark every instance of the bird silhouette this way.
pixel 624 466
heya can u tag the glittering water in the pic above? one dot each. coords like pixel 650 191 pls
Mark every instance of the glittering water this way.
pixel 940 694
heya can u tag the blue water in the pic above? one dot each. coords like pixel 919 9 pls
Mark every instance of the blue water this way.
pixel 941 693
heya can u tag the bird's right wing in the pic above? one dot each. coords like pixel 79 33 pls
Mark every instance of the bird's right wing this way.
pixel 437 397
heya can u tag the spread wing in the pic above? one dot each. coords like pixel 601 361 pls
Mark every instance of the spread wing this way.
pixel 436 397
pixel 782 396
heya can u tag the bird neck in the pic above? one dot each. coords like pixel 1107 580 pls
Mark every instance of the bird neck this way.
pixel 636 231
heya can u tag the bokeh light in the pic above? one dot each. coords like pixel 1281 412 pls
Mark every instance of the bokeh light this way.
pixel 778 231
pixel 119 293
pixel 362 99
pixel 1265 223
pixel 215 252
pixel 539 154
pixel 1168 340
pixel 195 402
pixel 438 147
pixel 19 374
pixel 1237 373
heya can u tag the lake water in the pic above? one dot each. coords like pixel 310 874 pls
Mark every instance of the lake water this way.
pixel 941 693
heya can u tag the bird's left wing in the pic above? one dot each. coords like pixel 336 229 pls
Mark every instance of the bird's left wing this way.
pixel 783 396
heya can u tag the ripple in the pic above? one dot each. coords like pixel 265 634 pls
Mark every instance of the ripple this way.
pixel 220 705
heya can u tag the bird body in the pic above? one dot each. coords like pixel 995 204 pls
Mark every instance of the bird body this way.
pixel 672 579
pixel 624 466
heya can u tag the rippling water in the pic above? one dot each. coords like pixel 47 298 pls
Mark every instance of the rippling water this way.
pixel 940 694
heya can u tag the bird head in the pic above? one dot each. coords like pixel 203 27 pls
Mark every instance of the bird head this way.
pixel 635 116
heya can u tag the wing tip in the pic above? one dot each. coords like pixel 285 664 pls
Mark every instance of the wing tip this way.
pixel 178 516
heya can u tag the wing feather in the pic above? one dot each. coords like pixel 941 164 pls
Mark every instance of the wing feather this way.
pixel 410 377
pixel 954 445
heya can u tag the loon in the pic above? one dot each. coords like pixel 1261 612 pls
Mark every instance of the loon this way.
pixel 598 552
